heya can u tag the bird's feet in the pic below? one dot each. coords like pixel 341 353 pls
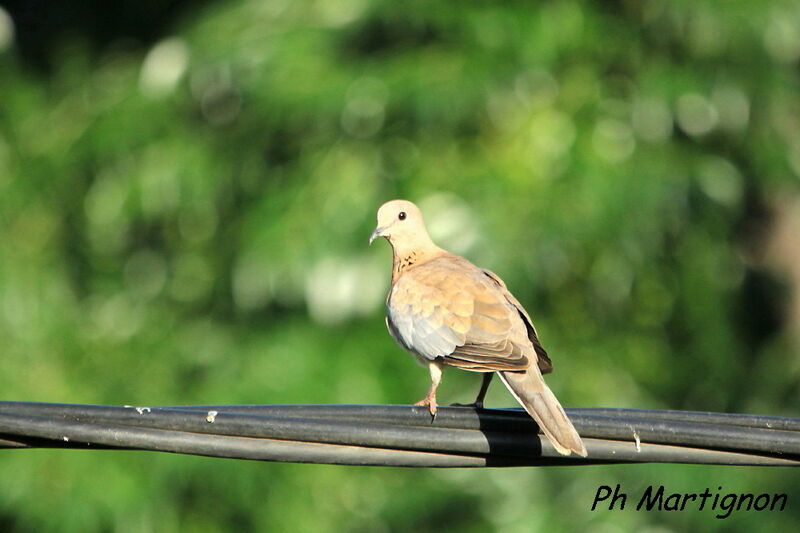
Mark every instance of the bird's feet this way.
pixel 430 401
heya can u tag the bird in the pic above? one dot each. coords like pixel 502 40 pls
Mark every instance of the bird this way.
pixel 447 312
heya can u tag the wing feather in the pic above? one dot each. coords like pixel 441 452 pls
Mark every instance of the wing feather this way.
pixel 451 309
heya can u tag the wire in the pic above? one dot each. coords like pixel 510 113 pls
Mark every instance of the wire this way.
pixel 402 435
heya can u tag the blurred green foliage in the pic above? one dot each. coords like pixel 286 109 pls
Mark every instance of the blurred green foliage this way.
pixel 186 222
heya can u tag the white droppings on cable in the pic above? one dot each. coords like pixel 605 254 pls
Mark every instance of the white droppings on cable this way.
pixel 637 439
pixel 140 410
pixel 212 415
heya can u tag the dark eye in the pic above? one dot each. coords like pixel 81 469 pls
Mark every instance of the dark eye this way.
pixel 402 215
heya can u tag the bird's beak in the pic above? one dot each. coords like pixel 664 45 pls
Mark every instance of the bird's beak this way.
pixel 377 233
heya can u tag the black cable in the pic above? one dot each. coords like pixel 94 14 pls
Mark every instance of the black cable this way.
pixel 72 433
pixel 420 432
pixel 766 422
pixel 402 435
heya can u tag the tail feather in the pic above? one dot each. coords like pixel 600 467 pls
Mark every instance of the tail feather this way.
pixel 535 396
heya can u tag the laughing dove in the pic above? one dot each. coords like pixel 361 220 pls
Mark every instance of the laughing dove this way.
pixel 446 311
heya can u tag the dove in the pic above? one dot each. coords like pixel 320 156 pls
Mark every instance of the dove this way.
pixel 446 311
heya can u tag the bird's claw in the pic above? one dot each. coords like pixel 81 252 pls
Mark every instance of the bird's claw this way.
pixel 429 401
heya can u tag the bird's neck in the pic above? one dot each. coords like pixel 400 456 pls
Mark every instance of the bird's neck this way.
pixel 404 258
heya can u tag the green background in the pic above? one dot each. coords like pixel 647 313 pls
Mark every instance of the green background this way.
pixel 186 194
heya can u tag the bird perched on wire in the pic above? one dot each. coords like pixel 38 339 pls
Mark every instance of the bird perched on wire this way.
pixel 448 312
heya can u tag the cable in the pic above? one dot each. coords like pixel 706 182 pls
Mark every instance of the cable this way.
pixel 403 435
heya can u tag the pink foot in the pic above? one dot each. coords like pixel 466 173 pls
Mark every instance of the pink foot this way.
pixel 430 401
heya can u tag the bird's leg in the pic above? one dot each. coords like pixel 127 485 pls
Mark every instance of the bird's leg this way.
pixel 478 403
pixel 435 369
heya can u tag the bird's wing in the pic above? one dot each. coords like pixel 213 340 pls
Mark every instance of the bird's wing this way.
pixel 449 308
pixel 545 365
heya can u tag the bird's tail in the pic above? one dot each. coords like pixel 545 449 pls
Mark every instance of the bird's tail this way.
pixel 535 396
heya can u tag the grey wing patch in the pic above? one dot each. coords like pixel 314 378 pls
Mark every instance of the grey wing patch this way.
pixel 420 332
pixel 394 333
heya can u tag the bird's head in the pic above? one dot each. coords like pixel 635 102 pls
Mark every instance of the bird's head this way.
pixel 400 222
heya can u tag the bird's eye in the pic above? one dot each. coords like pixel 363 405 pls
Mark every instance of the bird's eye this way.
pixel 402 215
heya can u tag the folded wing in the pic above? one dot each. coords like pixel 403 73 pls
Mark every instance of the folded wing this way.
pixel 451 309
